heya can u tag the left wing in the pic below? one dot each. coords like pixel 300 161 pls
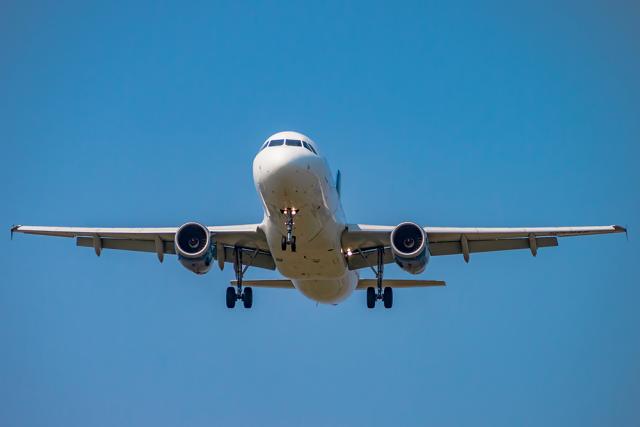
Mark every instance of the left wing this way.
pixel 365 239
pixel 249 237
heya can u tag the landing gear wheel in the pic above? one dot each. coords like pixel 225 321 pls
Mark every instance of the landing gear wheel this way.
pixel 283 243
pixel 231 297
pixel 387 297
pixel 247 298
pixel 293 244
pixel 371 297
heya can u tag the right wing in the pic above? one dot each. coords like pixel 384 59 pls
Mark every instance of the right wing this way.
pixel 363 240
pixel 249 237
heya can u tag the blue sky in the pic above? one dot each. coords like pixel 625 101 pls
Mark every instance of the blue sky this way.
pixel 453 114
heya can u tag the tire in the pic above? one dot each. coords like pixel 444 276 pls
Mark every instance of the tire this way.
pixel 371 297
pixel 283 243
pixel 231 297
pixel 293 244
pixel 247 297
pixel 387 297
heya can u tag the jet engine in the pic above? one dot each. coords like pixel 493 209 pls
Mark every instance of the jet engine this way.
pixel 194 247
pixel 409 246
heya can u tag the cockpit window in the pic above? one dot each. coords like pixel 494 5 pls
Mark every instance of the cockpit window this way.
pixel 289 143
pixel 309 147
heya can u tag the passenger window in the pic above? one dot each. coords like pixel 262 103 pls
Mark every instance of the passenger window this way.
pixel 294 142
pixel 276 142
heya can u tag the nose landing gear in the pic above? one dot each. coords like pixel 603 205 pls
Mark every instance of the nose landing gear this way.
pixel 289 239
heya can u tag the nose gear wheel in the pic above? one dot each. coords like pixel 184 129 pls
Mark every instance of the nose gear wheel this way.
pixel 289 239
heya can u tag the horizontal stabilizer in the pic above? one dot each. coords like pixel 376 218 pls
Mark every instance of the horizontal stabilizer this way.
pixel 278 283
pixel 399 283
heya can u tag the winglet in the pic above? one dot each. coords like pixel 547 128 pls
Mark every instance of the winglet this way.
pixel 621 229
pixel 13 229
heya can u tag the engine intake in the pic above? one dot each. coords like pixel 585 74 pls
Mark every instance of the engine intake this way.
pixel 409 246
pixel 194 247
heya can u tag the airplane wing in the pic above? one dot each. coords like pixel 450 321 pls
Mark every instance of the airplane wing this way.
pixel 364 240
pixel 161 240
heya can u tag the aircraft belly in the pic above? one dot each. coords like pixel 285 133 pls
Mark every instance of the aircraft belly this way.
pixel 318 251
pixel 317 256
pixel 328 291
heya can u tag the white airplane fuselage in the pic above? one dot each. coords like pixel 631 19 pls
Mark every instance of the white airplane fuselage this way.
pixel 292 177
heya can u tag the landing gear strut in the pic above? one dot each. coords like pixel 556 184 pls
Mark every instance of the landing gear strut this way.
pixel 378 293
pixel 289 239
pixel 237 294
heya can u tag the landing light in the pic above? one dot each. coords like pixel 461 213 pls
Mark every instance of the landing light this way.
pixel 349 253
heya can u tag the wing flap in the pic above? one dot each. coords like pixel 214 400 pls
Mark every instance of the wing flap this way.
pixel 258 259
pixel 127 244
pixel 261 259
pixel 368 258
pixel 453 248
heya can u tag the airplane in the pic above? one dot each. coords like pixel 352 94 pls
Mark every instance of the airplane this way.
pixel 305 236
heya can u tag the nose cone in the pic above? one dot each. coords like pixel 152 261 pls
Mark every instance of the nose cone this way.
pixel 282 164
pixel 284 171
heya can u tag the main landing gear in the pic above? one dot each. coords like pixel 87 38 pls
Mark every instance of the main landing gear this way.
pixel 374 294
pixel 289 239
pixel 238 294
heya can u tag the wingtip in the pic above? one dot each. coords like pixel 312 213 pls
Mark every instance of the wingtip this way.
pixel 13 229
pixel 621 229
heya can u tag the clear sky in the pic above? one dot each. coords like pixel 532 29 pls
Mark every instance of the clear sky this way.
pixel 452 114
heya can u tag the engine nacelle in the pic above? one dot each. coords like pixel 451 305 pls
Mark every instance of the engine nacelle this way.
pixel 409 246
pixel 194 247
